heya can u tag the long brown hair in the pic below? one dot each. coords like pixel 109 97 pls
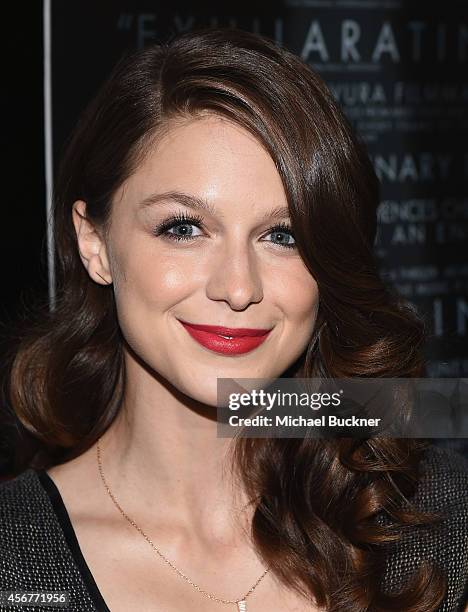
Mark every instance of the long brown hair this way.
pixel 316 529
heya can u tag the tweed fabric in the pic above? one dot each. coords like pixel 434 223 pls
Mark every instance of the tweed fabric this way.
pixel 35 552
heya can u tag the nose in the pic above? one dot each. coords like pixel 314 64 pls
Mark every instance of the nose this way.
pixel 234 277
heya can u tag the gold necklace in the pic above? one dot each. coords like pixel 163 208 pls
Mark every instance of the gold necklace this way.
pixel 240 603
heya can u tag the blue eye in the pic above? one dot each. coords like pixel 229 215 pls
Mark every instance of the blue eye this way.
pixel 284 235
pixel 186 232
pixel 182 223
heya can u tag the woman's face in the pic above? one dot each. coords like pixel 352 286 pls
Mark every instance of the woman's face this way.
pixel 226 269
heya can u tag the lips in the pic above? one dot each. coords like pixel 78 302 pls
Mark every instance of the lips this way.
pixel 226 340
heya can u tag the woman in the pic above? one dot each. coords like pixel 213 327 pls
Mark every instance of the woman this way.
pixel 213 181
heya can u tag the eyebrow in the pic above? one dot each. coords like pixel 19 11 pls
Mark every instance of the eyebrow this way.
pixel 196 203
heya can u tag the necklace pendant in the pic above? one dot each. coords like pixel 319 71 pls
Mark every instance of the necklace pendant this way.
pixel 242 606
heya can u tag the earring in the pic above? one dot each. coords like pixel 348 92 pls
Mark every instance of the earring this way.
pixel 107 282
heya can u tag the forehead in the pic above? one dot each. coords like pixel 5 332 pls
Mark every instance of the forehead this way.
pixel 212 158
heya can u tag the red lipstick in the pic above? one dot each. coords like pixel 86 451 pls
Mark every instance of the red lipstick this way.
pixel 239 339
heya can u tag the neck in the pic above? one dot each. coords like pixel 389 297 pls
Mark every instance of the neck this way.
pixel 163 446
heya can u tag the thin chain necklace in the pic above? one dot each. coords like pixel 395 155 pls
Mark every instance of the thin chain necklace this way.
pixel 240 603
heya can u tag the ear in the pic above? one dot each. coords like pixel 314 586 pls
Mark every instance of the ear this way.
pixel 91 246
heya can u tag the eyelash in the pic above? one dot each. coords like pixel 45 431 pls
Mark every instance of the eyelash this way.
pixel 182 218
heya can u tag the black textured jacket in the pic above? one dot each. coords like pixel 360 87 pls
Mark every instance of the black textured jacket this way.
pixel 39 549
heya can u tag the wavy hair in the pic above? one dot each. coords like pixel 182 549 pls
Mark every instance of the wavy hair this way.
pixel 315 501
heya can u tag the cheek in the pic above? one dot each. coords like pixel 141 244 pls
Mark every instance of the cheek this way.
pixel 155 279
pixel 147 284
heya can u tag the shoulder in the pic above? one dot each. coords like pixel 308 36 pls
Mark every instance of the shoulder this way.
pixel 34 553
pixel 18 496
pixel 24 511
pixel 28 524
pixel 445 472
pixel 443 489
pixel 23 518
